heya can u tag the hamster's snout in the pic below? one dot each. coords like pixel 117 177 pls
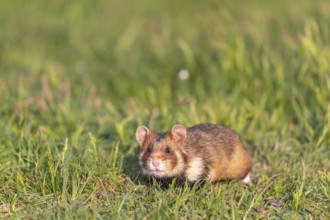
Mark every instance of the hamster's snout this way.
pixel 155 163
pixel 155 167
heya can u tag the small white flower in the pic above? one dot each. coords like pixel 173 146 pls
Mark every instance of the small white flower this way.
pixel 183 74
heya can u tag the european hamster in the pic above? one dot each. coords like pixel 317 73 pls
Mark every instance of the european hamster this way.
pixel 203 152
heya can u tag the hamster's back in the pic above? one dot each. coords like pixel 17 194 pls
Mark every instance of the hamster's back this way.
pixel 218 150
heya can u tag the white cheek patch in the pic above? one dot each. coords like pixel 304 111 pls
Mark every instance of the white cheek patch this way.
pixel 141 163
pixel 140 158
pixel 178 167
pixel 195 169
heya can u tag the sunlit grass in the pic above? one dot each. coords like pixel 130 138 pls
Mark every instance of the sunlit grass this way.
pixel 78 77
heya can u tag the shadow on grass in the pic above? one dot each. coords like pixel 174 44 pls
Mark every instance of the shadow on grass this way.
pixel 131 168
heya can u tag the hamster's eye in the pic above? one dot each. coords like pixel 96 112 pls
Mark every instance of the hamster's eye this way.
pixel 167 151
pixel 149 150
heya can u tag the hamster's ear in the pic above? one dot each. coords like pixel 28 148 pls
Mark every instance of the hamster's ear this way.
pixel 141 134
pixel 179 133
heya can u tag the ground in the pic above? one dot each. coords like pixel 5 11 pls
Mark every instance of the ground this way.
pixel 78 78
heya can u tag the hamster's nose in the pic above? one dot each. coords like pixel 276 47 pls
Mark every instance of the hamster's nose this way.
pixel 155 163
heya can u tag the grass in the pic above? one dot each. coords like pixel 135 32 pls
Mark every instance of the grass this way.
pixel 78 77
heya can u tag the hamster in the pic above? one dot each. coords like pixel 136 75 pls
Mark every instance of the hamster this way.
pixel 207 152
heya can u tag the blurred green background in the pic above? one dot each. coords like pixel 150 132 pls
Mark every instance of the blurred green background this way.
pixel 91 71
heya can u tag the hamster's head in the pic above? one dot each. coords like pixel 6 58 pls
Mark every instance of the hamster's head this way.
pixel 162 154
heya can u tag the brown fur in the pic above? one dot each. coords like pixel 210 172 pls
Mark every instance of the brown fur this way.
pixel 205 151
